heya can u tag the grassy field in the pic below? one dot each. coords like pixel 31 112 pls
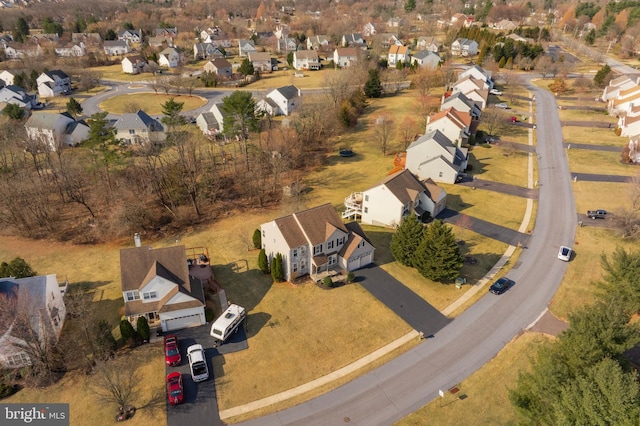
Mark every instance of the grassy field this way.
pixel 114 72
pixel 586 115
pixel 499 162
pixel 610 196
pixel 593 135
pixel 149 102
pixel 608 163
pixel 486 392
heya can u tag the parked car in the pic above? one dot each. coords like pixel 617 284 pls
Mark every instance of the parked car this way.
pixel 503 284
pixel 513 119
pixel 502 105
pixel 596 214
pixel 495 92
pixel 197 363
pixel 175 392
pixel 171 350
pixel 564 253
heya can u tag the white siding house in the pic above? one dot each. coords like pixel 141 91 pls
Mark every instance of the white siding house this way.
pixel 434 156
pixel 284 99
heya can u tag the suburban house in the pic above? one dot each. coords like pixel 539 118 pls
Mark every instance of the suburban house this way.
pixel 42 38
pixel 286 44
pixel 474 89
pixel 169 58
pixel 369 29
pixel 317 42
pixel 160 42
pixel 35 310
pixel 434 156
pixel 165 34
pixel 629 125
pixel 426 59
pixel 316 242
pixel 505 25
pixel 133 64
pixel 614 87
pixel 138 129
pixel 116 47
pixel 218 114
pixel 245 47
pixel 464 47
pixel 479 73
pixel 398 54
pixel 220 67
pixel 6 77
pixel 280 101
pixel 462 20
pixel 16 95
pixel 455 125
pixel 397 196
pixel 132 36
pixel 306 60
pixel 86 38
pixel 386 40
pixel 56 130
pixel 157 284
pixel 395 23
pixel 70 50
pixel 53 83
pixel 21 51
pixel 206 51
pixel 623 100
pixel 343 57
pixel 352 40
pixel 208 124
pixel 462 103
pixel 261 61
pixel 634 149
pixel 428 43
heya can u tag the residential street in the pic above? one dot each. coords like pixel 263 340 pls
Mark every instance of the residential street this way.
pixel 403 385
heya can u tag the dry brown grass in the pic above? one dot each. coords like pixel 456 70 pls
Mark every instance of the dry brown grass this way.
pixel 608 163
pixel 149 102
pixel 500 162
pixel 593 135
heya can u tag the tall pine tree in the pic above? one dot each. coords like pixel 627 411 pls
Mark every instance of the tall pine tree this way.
pixel 406 240
pixel 438 256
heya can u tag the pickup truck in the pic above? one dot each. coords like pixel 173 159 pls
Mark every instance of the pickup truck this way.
pixel 596 214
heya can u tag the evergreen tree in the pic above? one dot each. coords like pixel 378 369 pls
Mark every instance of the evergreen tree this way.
pixel 17 268
pixel 277 272
pixel 373 86
pixel 263 262
pixel 590 38
pixel 143 328
pixel 257 239
pixel 127 331
pixel 171 110
pixel 21 30
pixel 246 67
pixel 110 35
pixel 409 6
pixel 602 77
pixel 438 256
pixel 74 108
pixel 290 59
pixel 621 278
pixel 502 62
pixel 509 64
pixel 406 240
pixel 13 111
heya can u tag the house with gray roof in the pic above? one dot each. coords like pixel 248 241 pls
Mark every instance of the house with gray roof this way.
pixel 461 102
pixel 33 315
pixel 55 130
pixel 426 59
pixel 261 61
pixel 207 122
pixel 206 51
pixel 16 95
pixel 159 285
pixel 280 101
pixel 132 36
pixel 434 156
pixel 116 47
pixel 220 67
pixel 316 242
pixel 53 83
pixel 317 42
pixel 139 128
pixel 246 46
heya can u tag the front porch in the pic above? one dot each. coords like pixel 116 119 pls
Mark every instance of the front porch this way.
pixel 336 273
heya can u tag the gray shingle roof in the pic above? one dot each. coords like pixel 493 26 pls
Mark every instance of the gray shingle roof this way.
pixel 289 92
pixel 139 120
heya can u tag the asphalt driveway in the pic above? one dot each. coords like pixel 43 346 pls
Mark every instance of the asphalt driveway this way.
pixel 503 188
pixel 485 228
pixel 413 309
pixel 592 177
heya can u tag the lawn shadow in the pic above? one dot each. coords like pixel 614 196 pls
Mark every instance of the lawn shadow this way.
pixel 381 240
pixel 481 264
pixel 454 205
pixel 244 286
pixel 255 322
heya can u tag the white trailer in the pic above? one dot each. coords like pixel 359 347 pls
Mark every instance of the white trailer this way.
pixel 227 323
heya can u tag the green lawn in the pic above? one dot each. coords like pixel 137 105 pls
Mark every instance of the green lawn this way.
pixel 149 102
pixel 593 135
pixel 500 162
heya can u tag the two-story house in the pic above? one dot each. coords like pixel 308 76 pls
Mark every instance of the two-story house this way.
pixel 434 156
pixel 169 58
pixel 477 72
pixel 261 61
pixel 352 40
pixel 157 284
pixel 116 47
pixel 344 57
pixel 460 102
pixel 317 42
pixel 35 313
pixel 206 51
pixel 6 78
pixel 134 64
pixel 16 95
pixel 428 43
pixel 397 196
pixel 53 83
pixel 70 50
pixel 454 124
pixel 474 89
pixel 55 130
pixel 464 47
pixel 220 67
pixel 306 60
pixel 398 54
pixel 369 29
pixel 426 59
pixel 245 47
pixel 316 241
pixel 139 128
pixel 132 36
pixel 280 101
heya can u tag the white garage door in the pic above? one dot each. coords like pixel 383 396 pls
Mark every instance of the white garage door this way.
pixel 181 322
pixel 359 261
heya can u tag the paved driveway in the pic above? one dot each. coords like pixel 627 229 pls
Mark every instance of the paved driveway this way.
pixel 504 188
pixel 200 405
pixel 485 228
pixel 413 309
pixel 608 148
pixel 592 177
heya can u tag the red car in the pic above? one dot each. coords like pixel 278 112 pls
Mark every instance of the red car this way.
pixel 171 351
pixel 174 388
pixel 514 119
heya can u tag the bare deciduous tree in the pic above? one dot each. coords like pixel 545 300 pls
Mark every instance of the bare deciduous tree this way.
pixel 115 384
pixel 383 131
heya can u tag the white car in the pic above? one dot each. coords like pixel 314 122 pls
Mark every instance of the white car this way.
pixel 197 363
pixel 502 105
pixel 495 92
pixel 564 253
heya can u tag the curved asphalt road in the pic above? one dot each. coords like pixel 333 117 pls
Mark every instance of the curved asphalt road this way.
pixel 406 383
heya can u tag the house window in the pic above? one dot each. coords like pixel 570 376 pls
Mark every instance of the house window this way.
pixel 440 174
pixel 330 245
pixel 133 295
pixel 263 233
pixel 303 250
pixel 302 265
pixel 152 316
pixel 19 360
pixel 366 197
pixel 148 295
pixel 332 260
pixel 294 267
pixel 317 249
pixel 341 240
pixel 366 209
pixel 132 131
pixel 294 253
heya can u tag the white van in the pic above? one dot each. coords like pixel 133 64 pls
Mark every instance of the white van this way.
pixel 197 363
pixel 227 323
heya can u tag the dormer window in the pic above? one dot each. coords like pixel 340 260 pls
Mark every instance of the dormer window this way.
pixel 149 295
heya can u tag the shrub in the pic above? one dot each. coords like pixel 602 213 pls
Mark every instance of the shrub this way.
pixel 263 263
pixel 350 277
pixel 327 282
pixel 143 328
pixel 7 389
pixel 127 331
pixel 257 239
pixel 277 272
pixel 208 314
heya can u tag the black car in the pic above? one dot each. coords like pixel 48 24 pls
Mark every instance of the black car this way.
pixel 503 284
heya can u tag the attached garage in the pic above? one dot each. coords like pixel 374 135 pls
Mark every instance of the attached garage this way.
pixel 360 260
pixel 179 322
